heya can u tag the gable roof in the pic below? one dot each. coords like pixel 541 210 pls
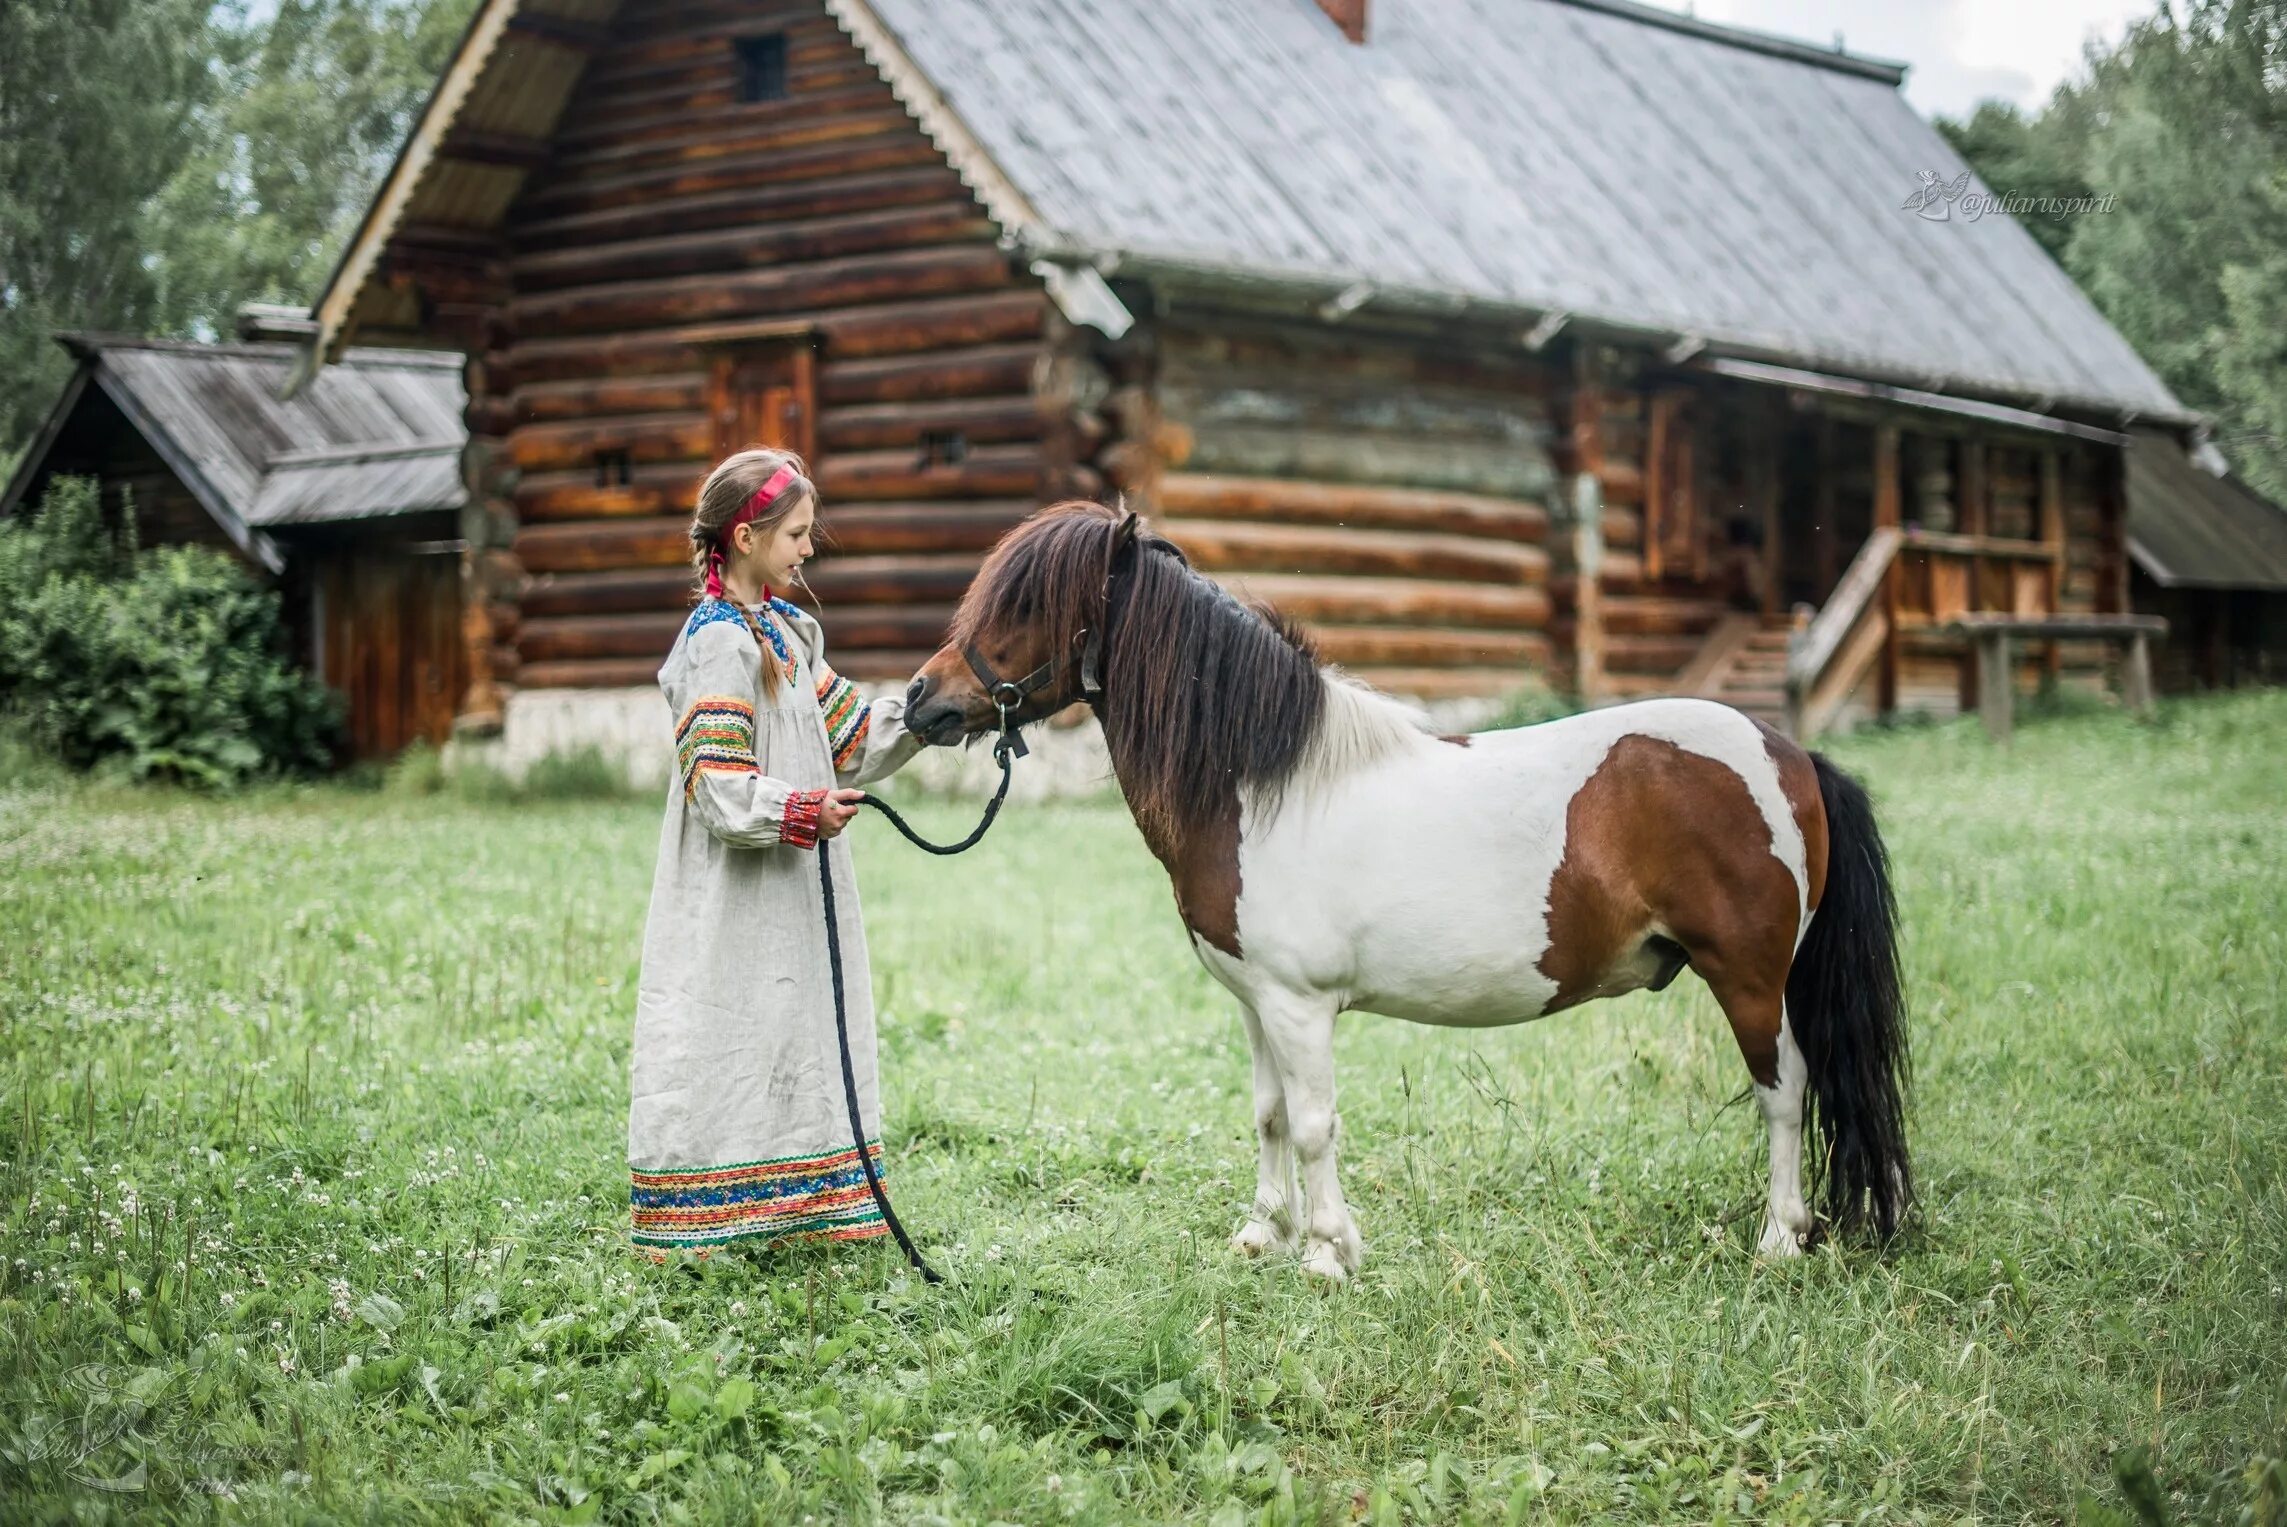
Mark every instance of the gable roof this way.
pixel 1591 157
pixel 2192 528
pixel 380 433
pixel 1630 168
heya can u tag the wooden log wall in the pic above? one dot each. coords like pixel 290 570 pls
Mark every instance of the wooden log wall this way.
pixel 1391 494
pixel 669 222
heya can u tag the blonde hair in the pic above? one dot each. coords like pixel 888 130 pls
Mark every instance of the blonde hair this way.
pixel 729 486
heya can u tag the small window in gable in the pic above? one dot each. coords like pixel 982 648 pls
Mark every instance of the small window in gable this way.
pixel 762 67
pixel 943 447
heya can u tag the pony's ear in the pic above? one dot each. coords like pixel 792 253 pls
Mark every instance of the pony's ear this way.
pixel 1124 534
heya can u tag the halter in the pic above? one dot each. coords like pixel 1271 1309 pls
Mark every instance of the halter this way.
pixel 1011 695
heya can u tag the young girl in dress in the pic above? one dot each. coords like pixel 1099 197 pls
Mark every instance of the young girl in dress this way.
pixel 738 1128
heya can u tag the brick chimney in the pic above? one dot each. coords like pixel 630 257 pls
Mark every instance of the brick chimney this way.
pixel 1349 15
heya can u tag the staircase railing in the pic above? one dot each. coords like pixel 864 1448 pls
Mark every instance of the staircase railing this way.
pixel 1827 658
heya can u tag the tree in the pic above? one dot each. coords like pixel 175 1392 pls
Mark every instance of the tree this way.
pixel 100 106
pixel 163 161
pixel 2184 125
pixel 316 104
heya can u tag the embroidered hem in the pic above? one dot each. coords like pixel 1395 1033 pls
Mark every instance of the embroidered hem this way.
pixel 801 825
pixel 803 1198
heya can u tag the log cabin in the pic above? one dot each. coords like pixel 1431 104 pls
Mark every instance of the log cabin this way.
pixel 1570 340
pixel 347 497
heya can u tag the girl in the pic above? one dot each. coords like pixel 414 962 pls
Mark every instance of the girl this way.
pixel 739 1128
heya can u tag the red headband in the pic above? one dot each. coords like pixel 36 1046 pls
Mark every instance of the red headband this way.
pixel 764 497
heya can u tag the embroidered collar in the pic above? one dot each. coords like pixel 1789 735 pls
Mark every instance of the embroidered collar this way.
pixel 773 614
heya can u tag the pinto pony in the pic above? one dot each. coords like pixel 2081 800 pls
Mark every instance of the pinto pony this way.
pixel 1329 853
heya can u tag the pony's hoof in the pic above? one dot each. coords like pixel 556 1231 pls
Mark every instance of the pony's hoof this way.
pixel 1258 1238
pixel 1322 1263
pixel 1779 1241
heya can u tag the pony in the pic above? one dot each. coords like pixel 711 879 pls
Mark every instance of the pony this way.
pixel 1330 853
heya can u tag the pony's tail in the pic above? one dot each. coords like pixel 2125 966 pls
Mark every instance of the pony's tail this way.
pixel 1847 1008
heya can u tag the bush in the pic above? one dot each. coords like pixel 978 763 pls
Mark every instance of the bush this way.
pixel 171 662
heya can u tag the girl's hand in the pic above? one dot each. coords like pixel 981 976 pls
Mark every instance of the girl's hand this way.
pixel 835 811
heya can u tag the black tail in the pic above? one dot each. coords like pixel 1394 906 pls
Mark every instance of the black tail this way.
pixel 1847 1008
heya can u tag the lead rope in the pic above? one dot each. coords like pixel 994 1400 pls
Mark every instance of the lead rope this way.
pixel 1005 749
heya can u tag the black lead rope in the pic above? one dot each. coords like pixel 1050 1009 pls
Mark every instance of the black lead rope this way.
pixel 1005 750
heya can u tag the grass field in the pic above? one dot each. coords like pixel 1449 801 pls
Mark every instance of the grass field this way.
pixel 312 1186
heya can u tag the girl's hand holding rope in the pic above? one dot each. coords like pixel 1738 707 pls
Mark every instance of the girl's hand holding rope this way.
pixel 835 811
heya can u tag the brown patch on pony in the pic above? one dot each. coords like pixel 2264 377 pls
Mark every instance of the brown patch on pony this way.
pixel 1656 838
pixel 1202 863
pixel 1458 739
pixel 1798 779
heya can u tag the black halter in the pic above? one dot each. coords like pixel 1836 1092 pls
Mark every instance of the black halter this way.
pixel 1011 695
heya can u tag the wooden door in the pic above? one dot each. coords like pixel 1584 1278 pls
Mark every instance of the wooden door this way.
pixel 765 394
pixel 387 625
pixel 1674 540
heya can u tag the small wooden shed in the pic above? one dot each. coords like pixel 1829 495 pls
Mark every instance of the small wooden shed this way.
pixel 349 495
pixel 1569 339
pixel 2209 553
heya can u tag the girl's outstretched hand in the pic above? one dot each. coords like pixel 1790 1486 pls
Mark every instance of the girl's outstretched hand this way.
pixel 835 812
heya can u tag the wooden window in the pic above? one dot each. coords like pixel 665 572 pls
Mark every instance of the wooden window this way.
pixel 764 394
pixel 943 447
pixel 762 67
pixel 614 468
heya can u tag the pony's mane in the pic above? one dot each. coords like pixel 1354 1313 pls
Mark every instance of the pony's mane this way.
pixel 1202 694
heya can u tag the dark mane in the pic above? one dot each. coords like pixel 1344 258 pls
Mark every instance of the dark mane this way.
pixel 1201 692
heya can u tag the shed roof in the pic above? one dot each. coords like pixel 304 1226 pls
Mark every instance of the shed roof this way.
pixel 378 434
pixel 2191 528
pixel 1618 163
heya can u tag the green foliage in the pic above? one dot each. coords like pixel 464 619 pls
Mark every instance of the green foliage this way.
pixel 581 774
pixel 313 1113
pixel 100 106
pixel 169 663
pixel 1529 706
pixel 163 161
pixel 315 102
pixel 2184 123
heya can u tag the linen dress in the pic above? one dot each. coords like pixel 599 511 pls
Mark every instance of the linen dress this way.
pixel 738 1129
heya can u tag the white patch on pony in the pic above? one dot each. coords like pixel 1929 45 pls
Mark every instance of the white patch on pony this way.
pixel 1787 1220
pixel 1406 876
pixel 1411 877
pixel 1360 727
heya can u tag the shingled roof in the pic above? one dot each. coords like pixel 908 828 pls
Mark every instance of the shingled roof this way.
pixel 1608 160
pixel 380 433
pixel 2189 527
pixel 1624 166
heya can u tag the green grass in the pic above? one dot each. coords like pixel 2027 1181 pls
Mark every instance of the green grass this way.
pixel 312 1112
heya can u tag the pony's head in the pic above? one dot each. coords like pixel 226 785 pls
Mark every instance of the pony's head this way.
pixel 1197 693
pixel 1030 635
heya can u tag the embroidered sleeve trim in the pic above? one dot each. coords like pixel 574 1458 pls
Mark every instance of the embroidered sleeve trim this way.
pixel 800 826
pixel 716 735
pixel 848 718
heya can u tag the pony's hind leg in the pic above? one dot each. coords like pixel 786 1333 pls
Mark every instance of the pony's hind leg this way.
pixel 1775 1063
pixel 1300 1032
pixel 1269 1225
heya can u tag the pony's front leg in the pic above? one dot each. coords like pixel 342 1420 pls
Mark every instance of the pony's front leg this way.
pixel 1269 1225
pixel 1300 1030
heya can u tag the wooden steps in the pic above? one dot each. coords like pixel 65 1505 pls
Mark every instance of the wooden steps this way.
pixel 1747 667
